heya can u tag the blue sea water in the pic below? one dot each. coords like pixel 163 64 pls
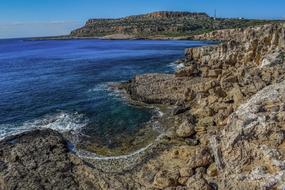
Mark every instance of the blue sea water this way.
pixel 63 84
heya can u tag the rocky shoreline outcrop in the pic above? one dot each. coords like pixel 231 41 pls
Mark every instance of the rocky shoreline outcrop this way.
pixel 36 160
pixel 234 93
pixel 225 131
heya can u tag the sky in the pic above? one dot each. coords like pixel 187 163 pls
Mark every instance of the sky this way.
pixel 27 18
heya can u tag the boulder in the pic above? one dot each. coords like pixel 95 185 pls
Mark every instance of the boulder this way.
pixel 186 129
pixel 212 170
pixel 198 184
pixel 202 158
pixel 164 179
pixel 186 172
pixel 214 73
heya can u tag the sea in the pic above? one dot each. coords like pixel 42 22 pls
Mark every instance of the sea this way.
pixel 64 84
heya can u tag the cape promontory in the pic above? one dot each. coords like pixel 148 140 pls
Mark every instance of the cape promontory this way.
pixel 162 24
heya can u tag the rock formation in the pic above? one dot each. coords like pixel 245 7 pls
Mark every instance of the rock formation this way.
pixel 234 91
pixel 225 130
pixel 36 160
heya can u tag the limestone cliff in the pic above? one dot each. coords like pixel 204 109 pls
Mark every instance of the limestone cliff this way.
pixel 159 25
pixel 234 92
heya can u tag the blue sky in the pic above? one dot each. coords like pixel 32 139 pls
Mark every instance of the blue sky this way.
pixel 21 18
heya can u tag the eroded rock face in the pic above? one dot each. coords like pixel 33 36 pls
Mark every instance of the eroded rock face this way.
pixel 252 143
pixel 36 160
pixel 235 92
pixel 242 46
pixel 159 88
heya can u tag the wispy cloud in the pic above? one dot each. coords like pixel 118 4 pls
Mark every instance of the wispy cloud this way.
pixel 33 29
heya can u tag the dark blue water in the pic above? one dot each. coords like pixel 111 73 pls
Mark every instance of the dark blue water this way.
pixel 63 84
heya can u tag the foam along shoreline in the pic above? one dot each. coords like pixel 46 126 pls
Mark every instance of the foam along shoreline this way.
pixel 70 124
pixel 61 122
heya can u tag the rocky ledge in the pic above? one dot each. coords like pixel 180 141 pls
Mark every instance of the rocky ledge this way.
pixel 226 129
pixel 231 100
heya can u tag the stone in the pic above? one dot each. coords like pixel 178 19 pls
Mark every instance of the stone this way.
pixel 236 94
pixel 186 129
pixel 164 179
pixel 200 171
pixel 186 172
pixel 212 170
pixel 273 58
pixel 219 92
pixel 192 142
pixel 212 99
pixel 200 130
pixel 202 158
pixel 206 121
pixel 180 109
pixel 183 180
pixel 198 184
pixel 214 73
pixel 186 72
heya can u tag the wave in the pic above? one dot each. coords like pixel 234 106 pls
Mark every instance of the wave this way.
pixel 180 66
pixel 176 66
pixel 108 89
pixel 159 112
pixel 62 122
pixel 98 88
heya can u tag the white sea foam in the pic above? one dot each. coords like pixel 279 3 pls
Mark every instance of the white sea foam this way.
pixel 62 122
pixel 172 65
pixel 98 88
pixel 107 88
pixel 176 66
pixel 160 113
pixel 179 66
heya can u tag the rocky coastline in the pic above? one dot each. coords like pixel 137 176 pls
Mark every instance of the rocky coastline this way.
pixel 224 128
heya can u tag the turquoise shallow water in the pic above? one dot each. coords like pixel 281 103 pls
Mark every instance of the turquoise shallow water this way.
pixel 63 84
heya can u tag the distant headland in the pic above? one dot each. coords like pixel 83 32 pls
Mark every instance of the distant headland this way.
pixel 158 25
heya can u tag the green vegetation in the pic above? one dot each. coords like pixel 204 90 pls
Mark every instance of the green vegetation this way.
pixel 170 24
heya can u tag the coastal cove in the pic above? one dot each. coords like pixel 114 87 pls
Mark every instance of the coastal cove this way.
pixel 223 124
pixel 142 95
pixel 65 86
